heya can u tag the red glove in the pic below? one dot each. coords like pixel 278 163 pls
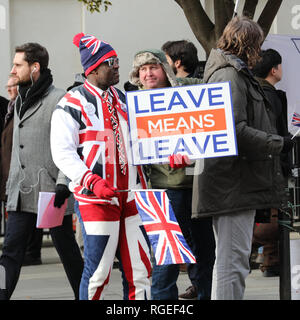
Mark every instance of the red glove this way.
pixel 179 161
pixel 101 188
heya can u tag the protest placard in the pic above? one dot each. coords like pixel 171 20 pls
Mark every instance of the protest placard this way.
pixel 194 120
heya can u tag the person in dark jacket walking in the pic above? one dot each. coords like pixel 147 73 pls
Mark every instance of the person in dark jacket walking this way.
pixel 231 188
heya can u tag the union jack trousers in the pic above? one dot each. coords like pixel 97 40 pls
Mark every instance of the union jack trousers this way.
pixel 82 143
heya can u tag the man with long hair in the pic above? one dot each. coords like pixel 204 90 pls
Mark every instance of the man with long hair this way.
pixel 230 189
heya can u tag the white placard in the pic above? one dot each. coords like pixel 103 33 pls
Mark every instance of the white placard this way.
pixel 194 120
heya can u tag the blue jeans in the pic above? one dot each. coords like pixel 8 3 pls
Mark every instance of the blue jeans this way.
pixel 200 232
pixel 164 277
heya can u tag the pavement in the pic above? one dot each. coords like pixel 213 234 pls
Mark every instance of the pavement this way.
pixel 49 282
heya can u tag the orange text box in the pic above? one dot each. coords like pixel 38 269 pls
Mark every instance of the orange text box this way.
pixel 181 123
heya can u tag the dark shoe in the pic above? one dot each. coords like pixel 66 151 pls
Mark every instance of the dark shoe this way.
pixel 29 261
pixel 190 294
pixel 271 273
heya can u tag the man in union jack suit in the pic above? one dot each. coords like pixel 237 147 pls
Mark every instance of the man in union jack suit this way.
pixel 89 140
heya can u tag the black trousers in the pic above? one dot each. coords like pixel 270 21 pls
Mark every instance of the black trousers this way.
pixel 34 245
pixel 204 246
pixel 18 230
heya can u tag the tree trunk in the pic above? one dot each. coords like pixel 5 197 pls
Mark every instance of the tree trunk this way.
pixel 268 14
pixel 207 32
pixel 249 8
pixel 200 23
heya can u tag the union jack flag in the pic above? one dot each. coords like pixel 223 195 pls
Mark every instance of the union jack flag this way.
pixel 91 42
pixel 296 119
pixel 162 228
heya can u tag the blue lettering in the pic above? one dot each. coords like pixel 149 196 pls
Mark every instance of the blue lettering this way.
pixel 205 144
pixel 211 97
pixel 158 148
pixel 142 153
pixel 184 147
pixel 196 103
pixel 176 95
pixel 136 105
pixel 216 143
pixel 153 102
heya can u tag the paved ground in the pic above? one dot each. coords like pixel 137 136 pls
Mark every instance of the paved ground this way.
pixel 48 282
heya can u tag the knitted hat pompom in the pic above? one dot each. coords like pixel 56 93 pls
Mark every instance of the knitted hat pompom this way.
pixel 77 38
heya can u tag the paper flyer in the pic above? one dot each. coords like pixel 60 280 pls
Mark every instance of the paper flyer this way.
pixel 48 215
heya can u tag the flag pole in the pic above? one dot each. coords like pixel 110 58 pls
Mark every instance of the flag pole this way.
pixel 136 190
pixel 235 8
pixel 295 134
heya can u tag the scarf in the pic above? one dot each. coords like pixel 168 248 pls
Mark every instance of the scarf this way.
pixel 117 132
pixel 30 94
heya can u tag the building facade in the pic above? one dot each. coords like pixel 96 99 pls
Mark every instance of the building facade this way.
pixel 128 25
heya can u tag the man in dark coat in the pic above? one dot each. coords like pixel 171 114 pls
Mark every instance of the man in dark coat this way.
pixel 7 132
pixel 3 108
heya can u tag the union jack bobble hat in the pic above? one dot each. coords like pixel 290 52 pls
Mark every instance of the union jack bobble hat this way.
pixel 92 51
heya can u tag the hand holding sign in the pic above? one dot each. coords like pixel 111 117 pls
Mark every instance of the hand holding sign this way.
pixel 178 161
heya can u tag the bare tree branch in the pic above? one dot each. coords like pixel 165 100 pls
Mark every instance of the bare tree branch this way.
pixel 249 8
pixel 199 22
pixel 268 14
pixel 229 7
pixel 203 28
pixel 179 3
pixel 221 18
